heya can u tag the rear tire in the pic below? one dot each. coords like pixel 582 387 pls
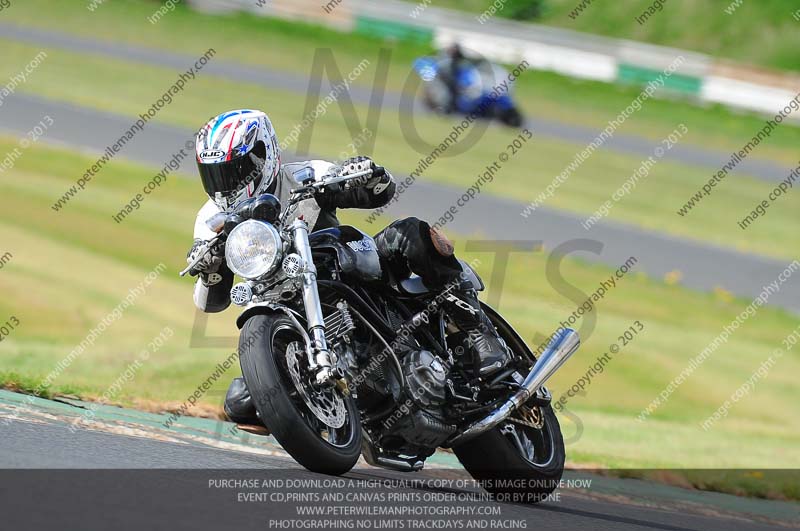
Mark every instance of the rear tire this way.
pixel 263 343
pixel 497 462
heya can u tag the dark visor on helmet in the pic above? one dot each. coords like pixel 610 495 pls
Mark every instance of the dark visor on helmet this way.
pixel 230 176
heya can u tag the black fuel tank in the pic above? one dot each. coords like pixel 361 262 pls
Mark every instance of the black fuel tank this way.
pixel 355 250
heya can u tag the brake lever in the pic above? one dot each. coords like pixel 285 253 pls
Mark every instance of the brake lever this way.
pixel 206 249
pixel 345 178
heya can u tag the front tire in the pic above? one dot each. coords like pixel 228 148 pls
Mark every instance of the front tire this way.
pixel 515 462
pixel 511 117
pixel 265 344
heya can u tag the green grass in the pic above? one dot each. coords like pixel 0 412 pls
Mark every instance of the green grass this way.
pixel 291 47
pixel 70 269
pixel 30 384
pixel 130 89
pixel 700 26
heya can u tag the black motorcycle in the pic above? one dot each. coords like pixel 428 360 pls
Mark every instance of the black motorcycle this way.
pixel 342 359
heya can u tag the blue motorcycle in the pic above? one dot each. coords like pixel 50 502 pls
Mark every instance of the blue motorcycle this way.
pixel 474 86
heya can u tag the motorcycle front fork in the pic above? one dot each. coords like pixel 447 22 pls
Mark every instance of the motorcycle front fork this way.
pixel 322 362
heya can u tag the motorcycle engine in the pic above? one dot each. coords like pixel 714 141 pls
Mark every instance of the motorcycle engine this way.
pixel 417 423
pixel 426 377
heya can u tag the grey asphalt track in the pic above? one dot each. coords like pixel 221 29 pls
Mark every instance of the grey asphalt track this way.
pixel 294 82
pixel 703 266
pixel 126 471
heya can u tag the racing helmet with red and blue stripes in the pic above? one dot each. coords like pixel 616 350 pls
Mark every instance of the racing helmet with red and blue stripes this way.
pixel 238 156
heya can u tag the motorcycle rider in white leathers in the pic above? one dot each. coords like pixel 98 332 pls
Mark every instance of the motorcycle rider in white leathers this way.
pixel 238 158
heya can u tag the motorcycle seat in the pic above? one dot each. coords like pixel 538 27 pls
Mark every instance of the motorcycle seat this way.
pixel 412 286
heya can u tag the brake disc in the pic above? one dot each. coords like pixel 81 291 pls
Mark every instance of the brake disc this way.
pixel 530 416
pixel 326 404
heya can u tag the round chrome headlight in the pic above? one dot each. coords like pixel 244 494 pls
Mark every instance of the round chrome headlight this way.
pixel 253 249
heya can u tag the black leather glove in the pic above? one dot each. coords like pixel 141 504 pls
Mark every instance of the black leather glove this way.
pixel 210 263
pixel 359 164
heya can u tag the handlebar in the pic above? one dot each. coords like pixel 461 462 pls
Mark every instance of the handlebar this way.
pixel 378 171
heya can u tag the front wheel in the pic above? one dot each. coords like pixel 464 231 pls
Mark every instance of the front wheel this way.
pixel 320 429
pixel 519 461
pixel 511 117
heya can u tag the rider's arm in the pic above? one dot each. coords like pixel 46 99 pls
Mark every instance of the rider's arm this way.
pixel 376 194
pixel 211 292
pixel 201 230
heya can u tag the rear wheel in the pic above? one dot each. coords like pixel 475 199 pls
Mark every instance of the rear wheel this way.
pixel 522 459
pixel 320 429
pixel 519 461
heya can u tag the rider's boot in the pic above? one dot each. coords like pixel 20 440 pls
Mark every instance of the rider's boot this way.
pixel 465 311
pixel 239 405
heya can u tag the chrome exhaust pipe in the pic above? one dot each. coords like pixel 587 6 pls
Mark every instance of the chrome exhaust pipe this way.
pixel 563 345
